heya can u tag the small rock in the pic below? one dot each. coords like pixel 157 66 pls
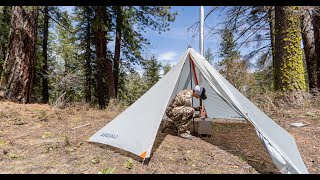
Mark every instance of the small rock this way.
pixel 310 114
pixel 71 149
pixel 44 119
pixel 193 165
pixel 95 161
pixel 188 151
pixel 175 151
pixel 4 152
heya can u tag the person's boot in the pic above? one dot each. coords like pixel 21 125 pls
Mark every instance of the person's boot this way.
pixel 186 135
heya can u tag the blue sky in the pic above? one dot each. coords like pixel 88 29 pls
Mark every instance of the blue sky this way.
pixel 169 46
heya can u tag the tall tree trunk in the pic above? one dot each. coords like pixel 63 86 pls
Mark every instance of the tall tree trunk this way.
pixel 272 29
pixel 45 89
pixel 88 60
pixel 101 54
pixel 289 71
pixel 20 61
pixel 316 27
pixel 309 48
pixel 119 22
pixel 103 50
pixel 4 34
pixel 103 61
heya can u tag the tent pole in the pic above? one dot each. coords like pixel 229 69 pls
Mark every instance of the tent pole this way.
pixel 201 29
pixel 194 129
pixel 201 42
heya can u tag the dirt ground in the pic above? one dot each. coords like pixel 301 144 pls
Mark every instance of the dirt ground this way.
pixel 38 138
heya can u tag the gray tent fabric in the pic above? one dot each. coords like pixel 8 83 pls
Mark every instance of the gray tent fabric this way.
pixel 135 129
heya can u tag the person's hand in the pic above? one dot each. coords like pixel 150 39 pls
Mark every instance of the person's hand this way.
pixel 203 113
pixel 197 108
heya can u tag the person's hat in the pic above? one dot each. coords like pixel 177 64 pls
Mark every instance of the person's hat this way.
pixel 201 91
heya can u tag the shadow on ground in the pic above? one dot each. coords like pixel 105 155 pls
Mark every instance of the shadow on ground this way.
pixel 236 138
pixel 240 139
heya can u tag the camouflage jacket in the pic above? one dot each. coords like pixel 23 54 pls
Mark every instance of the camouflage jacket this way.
pixel 183 98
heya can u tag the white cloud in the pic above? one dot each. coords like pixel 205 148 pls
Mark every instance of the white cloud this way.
pixel 168 56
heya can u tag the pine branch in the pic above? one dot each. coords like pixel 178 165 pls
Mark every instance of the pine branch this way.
pixel 50 17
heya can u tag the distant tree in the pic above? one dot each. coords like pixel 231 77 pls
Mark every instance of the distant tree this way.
pixel 135 87
pixel 166 69
pixel 208 55
pixel 66 54
pixel 232 66
pixel 84 16
pixel 151 71
pixel 228 53
pixel 129 41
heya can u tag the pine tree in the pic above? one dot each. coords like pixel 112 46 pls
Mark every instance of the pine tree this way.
pixel 20 62
pixel 44 70
pixel 228 53
pixel 68 67
pixel 208 55
pixel 151 71
pixel 5 16
pixel 135 87
pixel 232 66
pixel 289 71
pixel 104 64
pixel 309 48
pixel 129 40
pixel 228 46
pixel 166 69
pixel 316 28
pixel 116 61
pixel 84 17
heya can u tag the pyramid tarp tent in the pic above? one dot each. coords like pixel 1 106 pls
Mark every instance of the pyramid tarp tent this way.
pixel 135 129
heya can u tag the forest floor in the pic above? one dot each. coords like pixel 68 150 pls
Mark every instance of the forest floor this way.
pixel 36 138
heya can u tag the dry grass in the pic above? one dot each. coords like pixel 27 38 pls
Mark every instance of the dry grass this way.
pixel 38 138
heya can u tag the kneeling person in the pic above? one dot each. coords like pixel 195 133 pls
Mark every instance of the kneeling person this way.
pixel 180 111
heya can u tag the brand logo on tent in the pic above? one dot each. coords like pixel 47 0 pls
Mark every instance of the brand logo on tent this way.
pixel 107 135
pixel 236 117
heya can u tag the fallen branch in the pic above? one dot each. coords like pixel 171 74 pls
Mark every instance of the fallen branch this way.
pixel 81 126
pixel 55 104
pixel 254 160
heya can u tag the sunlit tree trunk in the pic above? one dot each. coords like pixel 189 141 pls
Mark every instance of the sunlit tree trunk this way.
pixel 20 61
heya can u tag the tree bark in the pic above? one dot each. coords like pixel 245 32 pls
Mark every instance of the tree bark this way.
pixel 309 48
pixel 119 22
pixel 101 53
pixel 316 27
pixel 271 15
pixel 20 61
pixel 88 60
pixel 4 34
pixel 45 89
pixel 289 71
